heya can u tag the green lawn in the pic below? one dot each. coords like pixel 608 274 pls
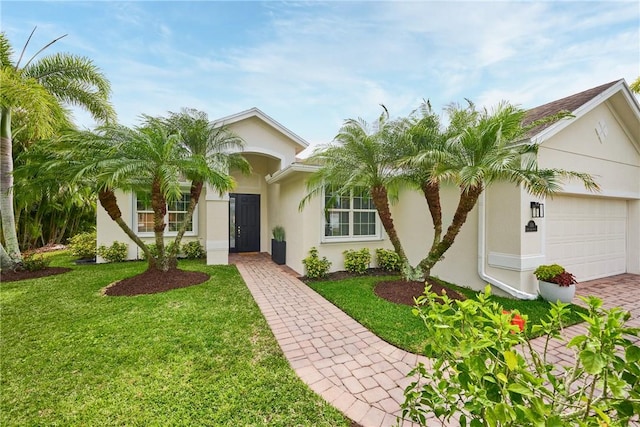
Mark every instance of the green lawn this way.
pixel 202 355
pixel 395 323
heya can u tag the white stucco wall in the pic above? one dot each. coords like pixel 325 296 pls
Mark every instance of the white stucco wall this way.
pixel 614 161
pixel 261 138
pixel 108 231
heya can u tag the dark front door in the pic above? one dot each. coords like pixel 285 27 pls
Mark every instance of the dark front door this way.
pixel 244 222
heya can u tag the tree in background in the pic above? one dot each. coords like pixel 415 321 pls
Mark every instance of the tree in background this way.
pixel 48 209
pixel 36 94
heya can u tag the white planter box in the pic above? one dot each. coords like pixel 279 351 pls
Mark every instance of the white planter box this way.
pixel 552 292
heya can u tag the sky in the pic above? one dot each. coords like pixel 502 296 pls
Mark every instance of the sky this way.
pixel 312 64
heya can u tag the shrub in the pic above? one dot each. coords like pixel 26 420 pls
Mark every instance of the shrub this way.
pixel 193 250
pixel 555 273
pixel 31 262
pixel 316 267
pixel 388 260
pixel 83 245
pixel 117 252
pixel 153 248
pixel 548 272
pixel 486 373
pixel 357 261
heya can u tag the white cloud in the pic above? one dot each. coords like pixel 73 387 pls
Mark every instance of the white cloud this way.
pixel 311 65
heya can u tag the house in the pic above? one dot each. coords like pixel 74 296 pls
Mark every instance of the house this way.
pixel 505 237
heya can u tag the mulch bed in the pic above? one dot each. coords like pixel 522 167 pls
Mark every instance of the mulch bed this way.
pixel 14 276
pixel 398 291
pixel 403 292
pixel 155 281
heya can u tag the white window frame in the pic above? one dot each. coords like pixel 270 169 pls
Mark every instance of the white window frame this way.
pixel 194 219
pixel 351 237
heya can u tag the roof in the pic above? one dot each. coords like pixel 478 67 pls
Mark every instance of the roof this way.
pixel 256 112
pixel 290 170
pixel 570 103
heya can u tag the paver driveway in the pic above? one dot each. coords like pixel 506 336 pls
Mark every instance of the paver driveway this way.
pixel 347 365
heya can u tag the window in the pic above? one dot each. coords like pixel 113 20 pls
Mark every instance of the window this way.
pixel 144 213
pixel 176 212
pixel 349 216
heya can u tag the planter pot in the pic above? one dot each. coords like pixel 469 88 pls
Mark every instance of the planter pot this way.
pixel 278 252
pixel 553 293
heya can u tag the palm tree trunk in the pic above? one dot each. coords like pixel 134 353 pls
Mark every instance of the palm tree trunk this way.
pixel 196 190
pixel 109 202
pixel 431 192
pixel 159 206
pixel 468 200
pixel 381 202
pixel 7 215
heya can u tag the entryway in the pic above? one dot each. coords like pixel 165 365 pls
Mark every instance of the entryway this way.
pixel 244 222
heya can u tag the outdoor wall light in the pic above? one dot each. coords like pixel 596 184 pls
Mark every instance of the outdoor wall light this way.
pixel 537 210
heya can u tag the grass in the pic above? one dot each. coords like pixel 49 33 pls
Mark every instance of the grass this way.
pixel 395 323
pixel 202 355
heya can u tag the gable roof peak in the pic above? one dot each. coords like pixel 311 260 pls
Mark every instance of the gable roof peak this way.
pixel 569 103
pixel 258 113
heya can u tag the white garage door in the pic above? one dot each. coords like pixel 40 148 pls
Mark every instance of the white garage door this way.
pixel 587 235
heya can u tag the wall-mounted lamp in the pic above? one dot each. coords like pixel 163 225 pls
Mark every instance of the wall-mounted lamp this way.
pixel 537 210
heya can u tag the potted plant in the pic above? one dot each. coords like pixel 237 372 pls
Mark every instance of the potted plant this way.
pixel 278 246
pixel 555 283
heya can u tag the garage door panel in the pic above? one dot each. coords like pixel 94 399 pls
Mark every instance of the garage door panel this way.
pixel 587 235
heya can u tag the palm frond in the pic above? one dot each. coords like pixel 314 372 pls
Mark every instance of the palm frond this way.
pixel 6 51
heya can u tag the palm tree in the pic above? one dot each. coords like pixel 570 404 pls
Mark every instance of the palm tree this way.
pixel 37 92
pixel 210 144
pixel 48 209
pixel 486 147
pixel 364 156
pixel 152 158
pixel 418 159
pixel 635 86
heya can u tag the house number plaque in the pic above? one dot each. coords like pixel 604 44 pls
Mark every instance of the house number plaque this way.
pixel 531 226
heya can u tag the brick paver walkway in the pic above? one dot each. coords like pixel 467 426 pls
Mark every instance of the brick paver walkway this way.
pixel 357 372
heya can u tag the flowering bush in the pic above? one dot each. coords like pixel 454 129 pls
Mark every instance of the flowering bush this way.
pixel 485 373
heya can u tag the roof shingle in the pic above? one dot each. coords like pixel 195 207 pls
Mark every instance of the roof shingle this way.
pixel 569 103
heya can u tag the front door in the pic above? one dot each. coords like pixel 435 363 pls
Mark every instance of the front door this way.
pixel 244 222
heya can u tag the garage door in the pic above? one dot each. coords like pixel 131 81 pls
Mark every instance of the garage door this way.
pixel 587 235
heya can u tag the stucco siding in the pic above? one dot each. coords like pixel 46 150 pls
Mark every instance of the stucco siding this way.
pixel 614 161
pixel 415 229
pixel 108 231
pixel 261 138
pixel 413 224
pixel 598 143
pixel 285 213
